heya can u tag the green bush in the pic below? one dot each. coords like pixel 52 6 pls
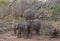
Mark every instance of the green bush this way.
pixel 55 13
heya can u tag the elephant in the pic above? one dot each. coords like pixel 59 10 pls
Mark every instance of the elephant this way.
pixel 23 27
pixel 35 26
pixel 28 27
pixel 29 14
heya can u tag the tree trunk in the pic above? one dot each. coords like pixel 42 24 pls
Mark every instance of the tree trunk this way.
pixel 13 23
pixel 13 12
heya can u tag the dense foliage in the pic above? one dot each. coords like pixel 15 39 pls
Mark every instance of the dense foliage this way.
pixel 55 13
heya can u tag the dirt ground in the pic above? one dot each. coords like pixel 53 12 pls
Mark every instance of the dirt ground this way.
pixel 9 36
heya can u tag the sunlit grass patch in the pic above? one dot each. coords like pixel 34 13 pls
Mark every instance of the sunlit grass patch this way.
pixel 3 2
pixel 21 19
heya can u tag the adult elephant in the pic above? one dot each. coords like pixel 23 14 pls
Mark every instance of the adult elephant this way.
pixel 35 26
pixel 29 14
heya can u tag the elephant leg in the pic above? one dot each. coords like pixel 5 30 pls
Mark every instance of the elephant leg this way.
pixel 15 31
pixel 19 34
pixel 31 33
pixel 27 34
pixel 37 32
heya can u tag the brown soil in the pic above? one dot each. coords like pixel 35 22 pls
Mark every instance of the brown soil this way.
pixel 9 36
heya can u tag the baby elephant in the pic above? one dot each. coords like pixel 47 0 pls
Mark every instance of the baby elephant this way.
pixel 19 28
